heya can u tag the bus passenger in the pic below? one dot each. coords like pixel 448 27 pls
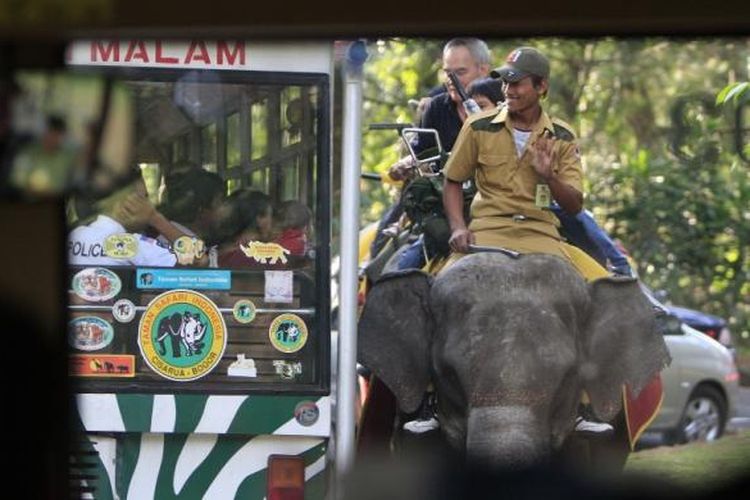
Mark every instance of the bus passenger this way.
pixel 191 200
pixel 249 219
pixel 293 222
pixel 126 210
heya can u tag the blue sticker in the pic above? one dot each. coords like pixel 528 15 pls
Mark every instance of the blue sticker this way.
pixel 149 279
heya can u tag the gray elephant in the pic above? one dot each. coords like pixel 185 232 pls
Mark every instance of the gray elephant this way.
pixel 509 343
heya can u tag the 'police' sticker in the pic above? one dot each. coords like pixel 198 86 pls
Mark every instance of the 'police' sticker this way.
pixel 96 284
pixel 288 333
pixel 121 246
pixel 182 335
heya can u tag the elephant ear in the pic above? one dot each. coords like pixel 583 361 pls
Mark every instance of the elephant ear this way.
pixel 395 335
pixel 621 342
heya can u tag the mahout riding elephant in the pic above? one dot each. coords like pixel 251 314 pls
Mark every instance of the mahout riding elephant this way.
pixel 509 344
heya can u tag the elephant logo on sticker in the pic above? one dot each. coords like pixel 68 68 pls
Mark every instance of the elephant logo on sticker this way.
pixel 288 333
pixel 188 249
pixel 123 310
pixel 244 311
pixel 182 335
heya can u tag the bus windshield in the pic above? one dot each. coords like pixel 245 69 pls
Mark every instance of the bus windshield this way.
pixel 204 268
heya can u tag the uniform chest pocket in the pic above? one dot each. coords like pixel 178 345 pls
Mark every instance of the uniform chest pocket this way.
pixel 496 169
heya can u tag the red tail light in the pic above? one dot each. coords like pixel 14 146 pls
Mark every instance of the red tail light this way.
pixel 733 376
pixel 286 478
pixel 711 333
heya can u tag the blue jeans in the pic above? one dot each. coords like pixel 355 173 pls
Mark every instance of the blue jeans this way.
pixel 413 257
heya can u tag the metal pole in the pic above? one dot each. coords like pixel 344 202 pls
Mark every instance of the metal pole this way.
pixel 347 341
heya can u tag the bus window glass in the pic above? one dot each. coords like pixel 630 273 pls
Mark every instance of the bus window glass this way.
pixel 208 147
pixel 200 270
pixel 152 179
pixel 259 134
pixel 233 141
pixel 291 115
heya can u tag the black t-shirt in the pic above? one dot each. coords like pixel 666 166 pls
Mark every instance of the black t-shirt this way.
pixel 441 115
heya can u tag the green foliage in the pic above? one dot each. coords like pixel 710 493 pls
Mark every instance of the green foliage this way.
pixel 733 92
pixel 662 165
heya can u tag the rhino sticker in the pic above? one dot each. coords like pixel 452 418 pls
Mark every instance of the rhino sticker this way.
pixel 265 253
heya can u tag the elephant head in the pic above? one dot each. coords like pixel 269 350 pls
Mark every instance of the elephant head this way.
pixel 510 345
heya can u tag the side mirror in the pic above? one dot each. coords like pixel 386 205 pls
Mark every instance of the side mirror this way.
pixel 668 324
pixel 408 133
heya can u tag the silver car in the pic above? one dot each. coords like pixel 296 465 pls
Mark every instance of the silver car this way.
pixel 700 387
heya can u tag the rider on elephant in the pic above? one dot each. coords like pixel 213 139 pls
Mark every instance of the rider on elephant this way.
pixel 522 162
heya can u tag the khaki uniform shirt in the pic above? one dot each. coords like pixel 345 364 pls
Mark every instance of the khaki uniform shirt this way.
pixel 507 184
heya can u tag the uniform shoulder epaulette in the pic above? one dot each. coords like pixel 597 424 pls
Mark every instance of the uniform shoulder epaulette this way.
pixel 562 130
pixel 483 121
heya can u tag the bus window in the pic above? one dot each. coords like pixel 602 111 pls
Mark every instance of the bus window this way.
pixel 204 271
pixel 259 131
pixel 291 117
pixel 234 152
pixel 181 149
pixel 153 180
pixel 208 147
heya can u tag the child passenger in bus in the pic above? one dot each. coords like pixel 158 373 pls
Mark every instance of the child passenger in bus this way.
pixel 249 219
pixel 293 227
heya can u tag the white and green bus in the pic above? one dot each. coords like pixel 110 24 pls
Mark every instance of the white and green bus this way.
pixel 208 373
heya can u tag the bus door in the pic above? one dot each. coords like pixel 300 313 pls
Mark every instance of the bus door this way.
pixel 199 281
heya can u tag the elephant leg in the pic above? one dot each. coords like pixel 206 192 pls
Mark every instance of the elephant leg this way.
pixel 604 456
pixel 610 455
pixel 376 423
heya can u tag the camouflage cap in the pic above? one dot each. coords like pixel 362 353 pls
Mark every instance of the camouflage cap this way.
pixel 522 62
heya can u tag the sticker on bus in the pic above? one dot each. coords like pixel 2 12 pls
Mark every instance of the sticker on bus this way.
pixel 182 335
pixel 102 365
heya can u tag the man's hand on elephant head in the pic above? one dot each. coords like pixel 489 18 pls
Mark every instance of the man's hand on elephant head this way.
pixel 460 240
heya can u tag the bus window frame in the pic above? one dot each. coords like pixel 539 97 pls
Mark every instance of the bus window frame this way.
pixel 322 229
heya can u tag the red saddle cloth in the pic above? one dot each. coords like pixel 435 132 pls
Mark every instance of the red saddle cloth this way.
pixel 641 409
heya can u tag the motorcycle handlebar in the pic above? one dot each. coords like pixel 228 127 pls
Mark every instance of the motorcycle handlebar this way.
pixel 389 126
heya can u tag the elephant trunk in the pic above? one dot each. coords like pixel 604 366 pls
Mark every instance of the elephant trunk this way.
pixel 506 437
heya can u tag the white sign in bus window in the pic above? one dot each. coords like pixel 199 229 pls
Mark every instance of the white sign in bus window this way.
pixel 278 286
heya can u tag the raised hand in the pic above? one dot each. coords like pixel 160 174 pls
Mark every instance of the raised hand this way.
pixel 134 211
pixel 544 156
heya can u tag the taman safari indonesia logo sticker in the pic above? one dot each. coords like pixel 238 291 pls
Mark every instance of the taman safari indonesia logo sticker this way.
pixel 182 335
pixel 288 333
